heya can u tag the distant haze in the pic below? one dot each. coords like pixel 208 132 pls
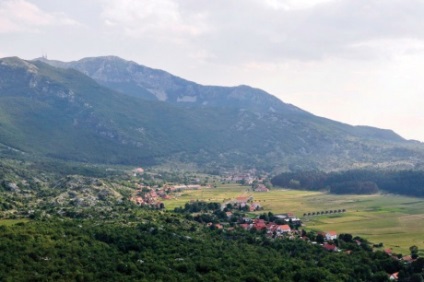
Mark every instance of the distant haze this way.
pixel 358 61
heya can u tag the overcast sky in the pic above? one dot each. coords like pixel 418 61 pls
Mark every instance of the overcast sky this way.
pixel 358 61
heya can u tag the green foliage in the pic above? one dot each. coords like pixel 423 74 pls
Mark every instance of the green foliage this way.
pixel 405 182
pixel 164 249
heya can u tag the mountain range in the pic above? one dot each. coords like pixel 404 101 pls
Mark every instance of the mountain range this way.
pixel 109 110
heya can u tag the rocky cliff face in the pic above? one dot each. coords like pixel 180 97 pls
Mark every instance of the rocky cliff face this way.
pixel 140 81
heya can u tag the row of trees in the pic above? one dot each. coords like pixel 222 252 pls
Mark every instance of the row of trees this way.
pixel 324 212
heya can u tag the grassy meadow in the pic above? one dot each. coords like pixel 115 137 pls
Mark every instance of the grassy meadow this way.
pixel 396 221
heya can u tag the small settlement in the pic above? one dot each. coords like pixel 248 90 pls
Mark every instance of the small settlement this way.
pixel 231 214
pixel 154 196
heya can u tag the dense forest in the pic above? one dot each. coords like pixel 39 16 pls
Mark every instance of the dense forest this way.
pixel 164 246
pixel 405 182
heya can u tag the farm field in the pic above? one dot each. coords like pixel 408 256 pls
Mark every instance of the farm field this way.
pixel 395 221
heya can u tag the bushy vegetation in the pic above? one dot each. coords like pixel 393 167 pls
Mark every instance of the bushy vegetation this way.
pixel 404 182
pixel 154 246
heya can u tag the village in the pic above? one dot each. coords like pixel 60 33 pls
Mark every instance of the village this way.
pixel 244 213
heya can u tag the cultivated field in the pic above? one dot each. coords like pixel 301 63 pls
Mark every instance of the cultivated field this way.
pixel 396 221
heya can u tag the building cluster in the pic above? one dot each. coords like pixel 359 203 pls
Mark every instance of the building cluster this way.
pixel 153 196
pixel 273 229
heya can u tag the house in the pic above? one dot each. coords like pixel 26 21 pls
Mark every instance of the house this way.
pixel 408 259
pixel 286 216
pixel 388 251
pixel 284 228
pixel 139 200
pixel 229 214
pixel 153 194
pixel 273 228
pixel 254 206
pixel 394 276
pixel 261 188
pixel 243 199
pixel 138 171
pixel 330 247
pixel 218 226
pixel 259 224
pixel 245 226
pixel 246 219
pixel 331 235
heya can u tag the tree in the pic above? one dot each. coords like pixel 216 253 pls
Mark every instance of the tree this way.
pixel 414 251
pixel 320 239
pixel 416 277
pixel 346 237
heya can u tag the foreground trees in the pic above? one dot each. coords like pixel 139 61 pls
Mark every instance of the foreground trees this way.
pixel 163 246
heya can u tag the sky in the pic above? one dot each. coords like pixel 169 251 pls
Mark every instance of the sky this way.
pixel 356 61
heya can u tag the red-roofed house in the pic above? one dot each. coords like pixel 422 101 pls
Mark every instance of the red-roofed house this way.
pixel 331 235
pixel 329 247
pixel 259 226
pixel 245 226
pixel 242 199
pixel 261 188
pixel 278 229
pixel 408 259
pixel 254 206
pixel 394 276
pixel 218 226
pixel 284 228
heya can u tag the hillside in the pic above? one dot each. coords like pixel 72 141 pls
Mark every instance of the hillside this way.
pixel 62 113
pixel 152 84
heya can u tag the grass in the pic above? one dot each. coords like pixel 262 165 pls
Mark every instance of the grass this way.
pixel 10 222
pixel 219 194
pixel 396 221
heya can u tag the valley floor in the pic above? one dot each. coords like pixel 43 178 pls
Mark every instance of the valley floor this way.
pixel 396 221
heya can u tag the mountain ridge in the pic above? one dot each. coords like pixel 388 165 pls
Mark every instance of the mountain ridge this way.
pixel 134 79
pixel 63 113
pixel 101 69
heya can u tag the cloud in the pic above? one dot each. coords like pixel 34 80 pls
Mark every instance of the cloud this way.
pixel 23 16
pixel 271 30
pixel 292 4
pixel 157 18
pixel 327 29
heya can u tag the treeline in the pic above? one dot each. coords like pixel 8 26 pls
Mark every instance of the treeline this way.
pixel 405 182
pixel 324 212
pixel 198 206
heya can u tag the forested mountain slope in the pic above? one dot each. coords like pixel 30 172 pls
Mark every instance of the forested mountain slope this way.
pixel 62 113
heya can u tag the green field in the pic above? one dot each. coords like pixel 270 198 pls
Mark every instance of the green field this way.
pixel 396 221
